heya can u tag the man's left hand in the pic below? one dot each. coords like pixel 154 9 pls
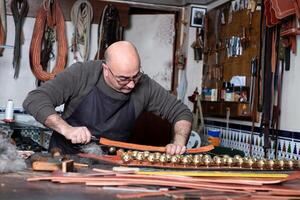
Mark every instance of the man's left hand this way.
pixel 174 149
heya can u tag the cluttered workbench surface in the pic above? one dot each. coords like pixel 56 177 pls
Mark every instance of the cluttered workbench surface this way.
pixel 101 182
pixel 130 171
pixel 14 186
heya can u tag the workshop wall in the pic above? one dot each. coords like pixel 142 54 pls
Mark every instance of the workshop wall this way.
pixel 17 89
pixel 290 107
pixel 161 71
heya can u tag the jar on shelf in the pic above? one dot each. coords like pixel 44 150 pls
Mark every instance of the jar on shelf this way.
pixel 229 95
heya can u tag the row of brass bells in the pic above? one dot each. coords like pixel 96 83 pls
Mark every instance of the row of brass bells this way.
pixel 206 160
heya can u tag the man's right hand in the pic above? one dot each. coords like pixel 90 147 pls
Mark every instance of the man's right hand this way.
pixel 78 135
pixel 75 134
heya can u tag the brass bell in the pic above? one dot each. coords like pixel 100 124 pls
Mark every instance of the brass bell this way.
pixel 146 154
pixel 207 161
pixel 261 163
pixel 134 154
pixel 224 161
pixel 186 160
pixel 280 164
pixel 290 164
pixel 126 157
pixel 157 156
pixel 240 162
pixel 112 150
pixel 151 158
pixel 297 163
pixel 229 161
pixel 196 160
pixel 163 159
pixel 168 157
pixel 140 156
pixel 217 161
pixel 250 162
pixel 270 164
pixel 175 159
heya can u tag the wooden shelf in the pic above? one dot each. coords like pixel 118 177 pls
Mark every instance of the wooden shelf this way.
pixel 219 67
pixel 238 110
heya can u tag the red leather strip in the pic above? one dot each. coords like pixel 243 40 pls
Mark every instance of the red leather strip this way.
pixel 149 148
pixel 36 42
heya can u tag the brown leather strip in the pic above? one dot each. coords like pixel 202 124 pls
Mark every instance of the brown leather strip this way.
pixel 149 148
pixel 2 37
pixel 43 17
pixel 224 180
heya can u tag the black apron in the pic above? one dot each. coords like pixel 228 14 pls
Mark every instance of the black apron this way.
pixel 103 115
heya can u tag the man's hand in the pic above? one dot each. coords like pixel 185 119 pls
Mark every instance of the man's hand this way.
pixel 174 149
pixel 75 134
pixel 78 135
pixel 182 130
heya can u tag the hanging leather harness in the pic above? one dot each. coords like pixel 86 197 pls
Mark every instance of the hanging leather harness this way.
pixel 81 17
pixel 108 31
pixel 49 16
pixel 19 10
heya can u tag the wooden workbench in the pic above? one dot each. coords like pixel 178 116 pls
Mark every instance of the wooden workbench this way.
pixel 13 186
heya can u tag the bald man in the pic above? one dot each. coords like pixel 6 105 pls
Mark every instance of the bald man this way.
pixel 103 99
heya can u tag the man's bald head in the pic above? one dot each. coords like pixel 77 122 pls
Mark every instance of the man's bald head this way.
pixel 123 57
pixel 122 62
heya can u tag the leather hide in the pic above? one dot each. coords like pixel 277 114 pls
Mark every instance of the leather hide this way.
pixel 276 10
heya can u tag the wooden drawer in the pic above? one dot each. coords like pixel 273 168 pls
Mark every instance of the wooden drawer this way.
pixel 236 109
pixel 211 108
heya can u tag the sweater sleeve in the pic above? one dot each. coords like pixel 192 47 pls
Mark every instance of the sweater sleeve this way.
pixel 41 102
pixel 166 105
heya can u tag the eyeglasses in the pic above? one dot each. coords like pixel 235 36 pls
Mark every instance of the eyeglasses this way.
pixel 123 80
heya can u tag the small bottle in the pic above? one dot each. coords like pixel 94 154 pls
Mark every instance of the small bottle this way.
pixel 223 91
pixel 237 93
pixel 244 94
pixel 9 111
pixel 229 92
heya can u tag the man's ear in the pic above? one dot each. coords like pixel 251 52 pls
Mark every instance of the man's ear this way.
pixel 104 69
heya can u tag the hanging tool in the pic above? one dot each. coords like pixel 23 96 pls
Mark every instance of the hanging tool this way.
pixel 19 9
pixel 252 83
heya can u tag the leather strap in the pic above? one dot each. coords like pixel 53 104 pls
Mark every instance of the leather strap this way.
pixel 2 37
pixel 149 148
pixel 2 25
pixel 267 91
pixel 48 15
pixel 19 10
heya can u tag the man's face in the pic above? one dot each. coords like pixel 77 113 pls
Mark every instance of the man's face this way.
pixel 122 80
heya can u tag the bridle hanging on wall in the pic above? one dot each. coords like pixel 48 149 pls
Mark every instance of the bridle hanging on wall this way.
pixel 108 31
pixel 81 17
pixel 49 15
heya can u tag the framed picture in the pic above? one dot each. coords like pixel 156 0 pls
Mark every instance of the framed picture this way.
pixel 197 16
